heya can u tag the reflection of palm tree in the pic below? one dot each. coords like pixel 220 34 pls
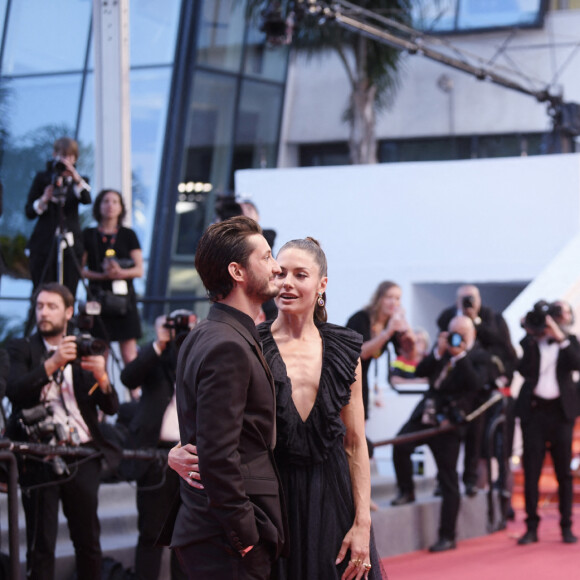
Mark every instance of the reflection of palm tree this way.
pixel 371 67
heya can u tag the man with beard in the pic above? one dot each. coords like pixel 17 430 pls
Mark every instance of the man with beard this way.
pixel 46 372
pixel 234 527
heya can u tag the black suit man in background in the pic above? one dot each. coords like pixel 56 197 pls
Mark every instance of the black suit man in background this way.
pixel 457 370
pixel 154 424
pixel 44 369
pixel 57 192
pixel 548 405
pixel 493 335
pixel 235 526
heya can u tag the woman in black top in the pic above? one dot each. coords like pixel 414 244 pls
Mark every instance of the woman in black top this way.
pixel 378 324
pixel 112 259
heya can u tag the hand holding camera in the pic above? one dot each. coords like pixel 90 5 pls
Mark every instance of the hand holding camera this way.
pixel 65 353
pixel 451 342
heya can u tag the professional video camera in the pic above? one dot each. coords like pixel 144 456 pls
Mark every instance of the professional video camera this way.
pixel 38 426
pixel 535 320
pixel 88 345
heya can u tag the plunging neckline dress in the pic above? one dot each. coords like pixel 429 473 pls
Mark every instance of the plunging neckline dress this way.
pixel 312 461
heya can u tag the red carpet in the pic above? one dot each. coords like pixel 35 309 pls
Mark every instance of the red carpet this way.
pixel 497 557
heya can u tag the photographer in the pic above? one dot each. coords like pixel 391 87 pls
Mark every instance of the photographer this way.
pixel 53 200
pixel 547 406
pixel 492 334
pixel 112 260
pixel 47 372
pixel 457 370
pixel 154 424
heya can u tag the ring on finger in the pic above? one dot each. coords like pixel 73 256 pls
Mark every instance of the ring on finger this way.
pixel 356 563
pixel 190 474
pixel 366 566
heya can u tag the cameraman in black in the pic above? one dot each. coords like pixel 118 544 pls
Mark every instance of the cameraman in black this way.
pixel 154 425
pixel 457 370
pixel 53 200
pixel 493 336
pixel 47 371
pixel 547 406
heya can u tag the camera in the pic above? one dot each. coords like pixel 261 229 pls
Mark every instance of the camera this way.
pixel 454 339
pixel 467 302
pixel 39 426
pixel 88 345
pixel 56 168
pixel 535 320
pixel 178 320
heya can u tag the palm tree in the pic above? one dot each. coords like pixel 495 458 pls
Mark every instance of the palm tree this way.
pixel 372 68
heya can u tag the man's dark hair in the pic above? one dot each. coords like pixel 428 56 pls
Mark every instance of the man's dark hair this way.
pixel 220 245
pixel 97 205
pixel 56 288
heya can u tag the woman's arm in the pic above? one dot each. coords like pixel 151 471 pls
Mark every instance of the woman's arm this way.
pixel 115 272
pixel 358 537
pixel 91 274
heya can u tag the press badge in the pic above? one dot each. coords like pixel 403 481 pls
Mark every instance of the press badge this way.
pixel 120 287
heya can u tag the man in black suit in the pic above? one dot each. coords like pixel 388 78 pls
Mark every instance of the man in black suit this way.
pixel 548 405
pixel 234 527
pixel 45 370
pixel 154 424
pixel 457 370
pixel 493 336
pixel 56 193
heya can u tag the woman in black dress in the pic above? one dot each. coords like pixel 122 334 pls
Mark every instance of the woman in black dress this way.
pixel 321 452
pixel 112 259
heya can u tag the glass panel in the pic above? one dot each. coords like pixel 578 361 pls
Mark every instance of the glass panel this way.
pixel 153 31
pixel 268 62
pixel 3 4
pixel 39 111
pixel 221 34
pixel 434 15
pixel 149 104
pixel 46 36
pixel 257 126
pixel 498 13
pixel 206 158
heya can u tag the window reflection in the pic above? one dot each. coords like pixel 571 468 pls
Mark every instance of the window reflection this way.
pixel 46 36
pixel 268 62
pixel 221 34
pixel 208 137
pixel 153 31
pixel 257 126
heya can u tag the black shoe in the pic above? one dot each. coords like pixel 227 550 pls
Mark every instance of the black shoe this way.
pixel 471 490
pixel 529 537
pixel 568 537
pixel 403 498
pixel 442 545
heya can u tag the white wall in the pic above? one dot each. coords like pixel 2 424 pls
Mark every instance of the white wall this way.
pixel 494 220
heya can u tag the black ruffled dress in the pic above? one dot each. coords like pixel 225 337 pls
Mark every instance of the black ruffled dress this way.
pixel 312 461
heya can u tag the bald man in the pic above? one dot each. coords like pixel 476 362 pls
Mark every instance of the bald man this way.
pixel 457 370
pixel 493 336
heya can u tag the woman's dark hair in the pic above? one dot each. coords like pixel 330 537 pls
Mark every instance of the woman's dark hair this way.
pixel 220 245
pixel 312 246
pixel 381 290
pixel 97 205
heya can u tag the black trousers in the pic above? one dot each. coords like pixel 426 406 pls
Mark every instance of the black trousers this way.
pixel 547 424
pixel 445 449
pixel 215 559
pixel 79 498
pixel 156 491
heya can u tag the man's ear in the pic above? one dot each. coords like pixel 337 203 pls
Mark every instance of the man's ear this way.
pixel 69 312
pixel 236 271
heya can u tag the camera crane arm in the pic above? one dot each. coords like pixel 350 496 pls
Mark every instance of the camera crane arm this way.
pixel 387 31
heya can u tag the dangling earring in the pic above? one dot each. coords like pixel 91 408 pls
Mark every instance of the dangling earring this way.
pixel 320 300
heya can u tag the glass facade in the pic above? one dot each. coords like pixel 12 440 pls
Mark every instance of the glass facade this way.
pixel 229 119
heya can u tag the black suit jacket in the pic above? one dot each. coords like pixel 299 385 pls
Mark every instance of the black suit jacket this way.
pixel 568 361
pixel 28 377
pixel 461 388
pixel 226 406
pixel 41 240
pixel 156 376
